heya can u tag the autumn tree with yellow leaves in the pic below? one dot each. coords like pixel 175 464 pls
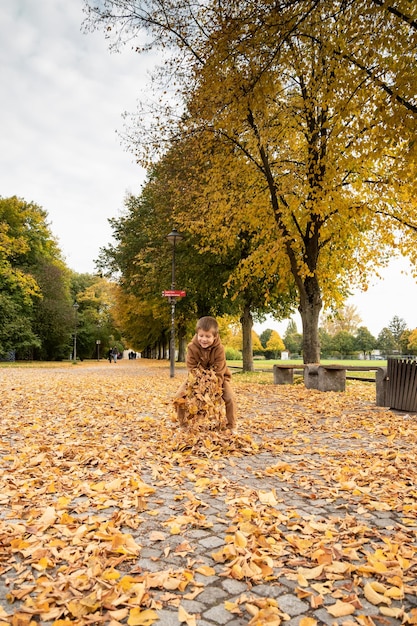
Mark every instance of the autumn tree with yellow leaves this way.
pixel 312 104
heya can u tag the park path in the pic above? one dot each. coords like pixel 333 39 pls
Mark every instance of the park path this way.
pixel 305 515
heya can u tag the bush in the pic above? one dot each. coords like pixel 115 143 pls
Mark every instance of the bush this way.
pixel 232 354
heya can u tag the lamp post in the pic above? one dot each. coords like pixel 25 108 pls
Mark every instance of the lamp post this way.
pixel 75 307
pixel 173 237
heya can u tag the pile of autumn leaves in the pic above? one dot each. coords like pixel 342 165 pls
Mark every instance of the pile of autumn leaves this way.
pixel 203 404
pixel 83 456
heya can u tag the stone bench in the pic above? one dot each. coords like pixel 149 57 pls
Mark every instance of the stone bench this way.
pixel 284 373
pixel 333 378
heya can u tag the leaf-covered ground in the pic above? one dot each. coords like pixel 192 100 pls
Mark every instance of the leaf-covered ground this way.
pixel 110 513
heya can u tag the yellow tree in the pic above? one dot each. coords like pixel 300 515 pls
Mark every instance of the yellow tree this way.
pixel 412 341
pixel 275 343
pixel 313 101
pixel 346 319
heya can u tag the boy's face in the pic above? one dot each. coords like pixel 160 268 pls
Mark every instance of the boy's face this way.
pixel 205 338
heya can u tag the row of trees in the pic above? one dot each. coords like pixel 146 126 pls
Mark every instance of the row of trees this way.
pixel 284 151
pixel 346 340
pixel 38 291
pixel 38 319
pixel 338 338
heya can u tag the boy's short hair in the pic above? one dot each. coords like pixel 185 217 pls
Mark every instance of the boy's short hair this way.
pixel 208 324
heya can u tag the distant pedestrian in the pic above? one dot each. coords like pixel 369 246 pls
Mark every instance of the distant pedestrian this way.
pixel 114 354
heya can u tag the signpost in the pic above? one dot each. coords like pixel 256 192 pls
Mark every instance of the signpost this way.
pixel 174 293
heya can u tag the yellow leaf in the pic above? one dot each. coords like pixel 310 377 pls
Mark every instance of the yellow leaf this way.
pixel 48 518
pixel 156 535
pixel 183 616
pixel 142 618
pixel 395 592
pixel 236 572
pixel 114 485
pixel 252 609
pixel 340 609
pixel 310 573
pixel 267 497
pixel 240 540
pixel 76 608
pixel 307 621
pixel 388 611
pixel 175 529
pixel 302 581
pixel 232 607
pixel 119 614
pixel 110 574
pixel 373 596
pixel 206 570
pixel 41 564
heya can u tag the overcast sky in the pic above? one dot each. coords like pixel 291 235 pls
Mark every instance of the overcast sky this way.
pixel 63 96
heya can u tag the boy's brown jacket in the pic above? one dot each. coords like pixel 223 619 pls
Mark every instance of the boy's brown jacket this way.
pixel 212 357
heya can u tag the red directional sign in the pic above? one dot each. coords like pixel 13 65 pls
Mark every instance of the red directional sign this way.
pixel 173 293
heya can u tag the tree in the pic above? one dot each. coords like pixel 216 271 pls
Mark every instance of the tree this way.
pixel 53 313
pixel 97 315
pixel 31 270
pixel 404 341
pixel 293 339
pixel 344 343
pixel 346 318
pixel 256 343
pixel 275 344
pixel 210 276
pixel 326 343
pixel 141 262
pixel 397 326
pixel 265 336
pixel 386 341
pixel 365 342
pixel 232 243
pixel 412 342
pixel 315 101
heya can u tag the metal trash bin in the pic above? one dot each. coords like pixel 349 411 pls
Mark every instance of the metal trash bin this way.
pixel 402 384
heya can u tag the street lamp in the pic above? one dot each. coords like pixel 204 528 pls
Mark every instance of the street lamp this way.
pixel 75 307
pixel 173 237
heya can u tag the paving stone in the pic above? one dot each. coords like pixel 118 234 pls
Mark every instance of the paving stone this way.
pixel 212 542
pixel 197 533
pixel 324 617
pixel 212 595
pixel 270 591
pixel 234 587
pixel 289 603
pixel 149 565
pixel 219 615
pixel 148 553
pixel 168 618
pixel 193 606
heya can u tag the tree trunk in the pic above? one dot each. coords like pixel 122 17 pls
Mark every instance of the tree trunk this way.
pixel 181 345
pixel 310 307
pixel 247 323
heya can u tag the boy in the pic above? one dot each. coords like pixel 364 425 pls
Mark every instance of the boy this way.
pixel 207 351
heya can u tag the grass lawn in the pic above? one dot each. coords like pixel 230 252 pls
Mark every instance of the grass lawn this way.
pixel 263 369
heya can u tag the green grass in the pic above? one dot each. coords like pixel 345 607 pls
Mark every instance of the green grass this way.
pixel 268 364
pixel 262 373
